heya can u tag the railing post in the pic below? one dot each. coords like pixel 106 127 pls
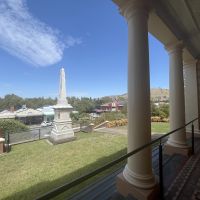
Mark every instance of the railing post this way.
pixel 192 139
pixel 161 171
pixel 39 133
pixel 7 142
pixel 9 146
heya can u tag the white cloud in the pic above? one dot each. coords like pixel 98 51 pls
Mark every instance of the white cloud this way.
pixel 29 39
pixel 71 41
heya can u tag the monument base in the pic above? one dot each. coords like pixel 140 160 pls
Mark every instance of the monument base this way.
pixel 60 138
pixel 125 189
pixel 62 132
pixel 170 150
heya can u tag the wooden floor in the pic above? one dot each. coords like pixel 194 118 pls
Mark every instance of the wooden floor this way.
pixel 181 179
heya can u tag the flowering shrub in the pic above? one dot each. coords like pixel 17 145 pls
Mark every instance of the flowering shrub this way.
pixel 119 122
pixel 159 119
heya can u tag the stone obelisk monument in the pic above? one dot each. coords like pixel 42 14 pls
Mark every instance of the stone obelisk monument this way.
pixel 62 125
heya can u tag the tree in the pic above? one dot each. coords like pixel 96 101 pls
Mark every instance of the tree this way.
pixel 165 109
pixel 154 109
pixel 124 109
pixel 12 100
pixel 106 99
pixel 12 126
pixel 74 117
pixel 83 105
pixel 161 111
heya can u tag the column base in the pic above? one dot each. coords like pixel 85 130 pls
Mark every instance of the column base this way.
pixel 125 189
pixel 170 150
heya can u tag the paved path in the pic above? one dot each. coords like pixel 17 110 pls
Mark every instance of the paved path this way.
pixel 123 131
pixel 116 130
pixel 186 185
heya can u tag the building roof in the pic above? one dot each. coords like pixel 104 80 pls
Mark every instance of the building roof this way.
pixel 177 21
pixel 28 112
pixel 99 110
pixel 5 114
pixel 47 110
pixel 174 21
pixel 113 104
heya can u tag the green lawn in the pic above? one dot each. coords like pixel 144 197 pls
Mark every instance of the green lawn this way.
pixel 34 168
pixel 159 127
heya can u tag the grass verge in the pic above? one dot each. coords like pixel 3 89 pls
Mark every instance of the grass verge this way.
pixel 159 127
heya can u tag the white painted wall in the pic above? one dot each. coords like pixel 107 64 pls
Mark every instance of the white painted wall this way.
pixel 191 97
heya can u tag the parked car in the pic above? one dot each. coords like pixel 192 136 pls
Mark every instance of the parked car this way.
pixel 45 123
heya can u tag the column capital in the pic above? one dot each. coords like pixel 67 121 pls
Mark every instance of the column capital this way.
pixel 130 7
pixel 190 62
pixel 173 47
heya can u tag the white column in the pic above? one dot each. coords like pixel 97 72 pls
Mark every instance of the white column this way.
pixel 176 96
pixel 138 170
pixel 198 89
pixel 191 97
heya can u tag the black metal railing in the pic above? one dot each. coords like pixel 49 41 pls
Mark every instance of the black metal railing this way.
pixel 57 191
pixel 161 171
pixel 7 143
pixel 30 135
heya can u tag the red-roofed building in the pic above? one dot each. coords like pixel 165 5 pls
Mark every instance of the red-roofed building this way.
pixel 112 106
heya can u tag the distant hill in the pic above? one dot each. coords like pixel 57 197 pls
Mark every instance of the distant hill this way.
pixel 157 95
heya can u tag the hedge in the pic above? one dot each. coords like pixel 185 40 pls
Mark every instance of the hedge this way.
pixel 12 126
pixel 124 122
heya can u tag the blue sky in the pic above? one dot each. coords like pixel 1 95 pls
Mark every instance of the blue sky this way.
pixel 88 38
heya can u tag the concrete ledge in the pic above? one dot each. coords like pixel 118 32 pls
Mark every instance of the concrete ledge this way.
pixel 125 189
pixel 88 129
pixel 102 125
pixel 170 150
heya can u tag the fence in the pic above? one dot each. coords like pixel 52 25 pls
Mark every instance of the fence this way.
pixel 33 134
pixel 28 136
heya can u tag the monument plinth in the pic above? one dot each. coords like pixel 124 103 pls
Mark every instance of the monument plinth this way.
pixel 62 125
